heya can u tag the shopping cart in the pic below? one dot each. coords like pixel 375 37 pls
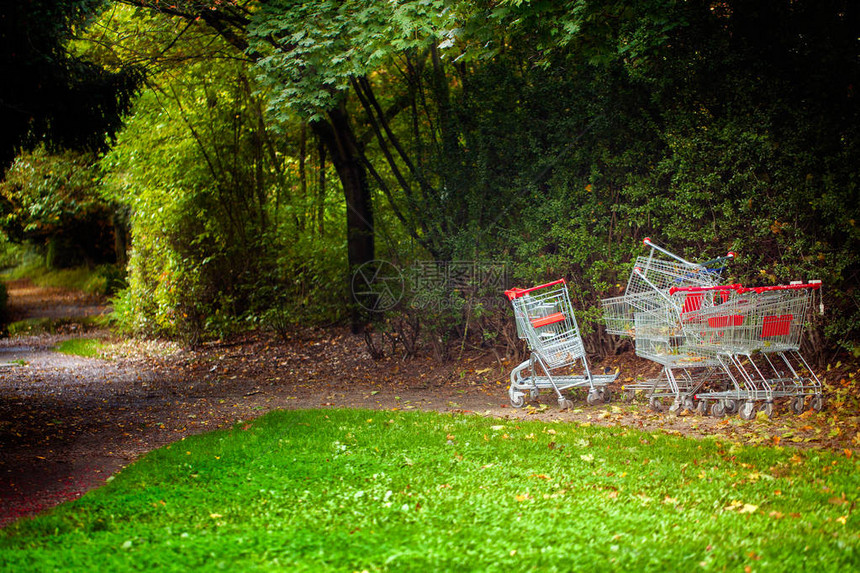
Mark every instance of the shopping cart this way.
pixel 653 317
pixel 545 320
pixel 755 334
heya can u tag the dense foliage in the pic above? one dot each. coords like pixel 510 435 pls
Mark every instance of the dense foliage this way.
pixel 53 203
pixel 280 145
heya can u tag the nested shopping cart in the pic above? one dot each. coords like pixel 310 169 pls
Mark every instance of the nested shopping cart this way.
pixel 653 317
pixel 545 320
pixel 755 335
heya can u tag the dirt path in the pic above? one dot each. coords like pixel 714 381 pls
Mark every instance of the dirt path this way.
pixel 68 423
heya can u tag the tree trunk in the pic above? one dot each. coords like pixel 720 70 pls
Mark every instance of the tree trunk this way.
pixel 338 137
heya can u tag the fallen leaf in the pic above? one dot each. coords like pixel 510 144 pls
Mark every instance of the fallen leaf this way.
pixel 748 508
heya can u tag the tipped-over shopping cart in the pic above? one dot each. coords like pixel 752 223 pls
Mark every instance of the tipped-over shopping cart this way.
pixel 652 316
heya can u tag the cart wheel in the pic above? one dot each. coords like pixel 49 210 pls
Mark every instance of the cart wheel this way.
pixel 656 403
pixel 594 397
pixel 747 411
pixel 718 410
pixel 691 404
pixel 606 394
pixel 798 405
pixel 702 408
pixel 817 402
pixel 565 404
pixel 732 406
pixel 518 400
pixel 767 408
pixel 629 395
pixel 534 393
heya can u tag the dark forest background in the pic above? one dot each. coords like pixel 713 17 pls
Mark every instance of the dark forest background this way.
pixel 229 164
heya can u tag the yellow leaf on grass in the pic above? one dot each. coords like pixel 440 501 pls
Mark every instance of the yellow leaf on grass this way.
pixel 748 508
pixel 734 505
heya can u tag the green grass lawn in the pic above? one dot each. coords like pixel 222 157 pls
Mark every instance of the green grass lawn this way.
pixel 86 347
pixel 355 490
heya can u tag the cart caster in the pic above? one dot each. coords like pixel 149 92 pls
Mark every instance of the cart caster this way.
pixel 817 402
pixel 518 400
pixel 798 405
pixel 718 410
pixel 656 404
pixel 629 395
pixel 675 407
pixel 747 410
pixel 606 395
pixel 534 393
pixel 732 406
pixel 691 404
pixel 702 408
pixel 594 397
pixel 767 408
pixel 565 404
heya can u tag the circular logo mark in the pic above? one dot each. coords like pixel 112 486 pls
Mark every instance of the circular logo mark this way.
pixel 377 286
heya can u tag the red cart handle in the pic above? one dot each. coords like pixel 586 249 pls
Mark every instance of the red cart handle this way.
pixel 515 293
